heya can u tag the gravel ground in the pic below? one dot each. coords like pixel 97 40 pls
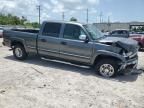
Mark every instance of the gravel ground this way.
pixel 36 83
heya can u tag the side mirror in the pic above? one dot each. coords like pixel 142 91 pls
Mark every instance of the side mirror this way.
pixel 83 37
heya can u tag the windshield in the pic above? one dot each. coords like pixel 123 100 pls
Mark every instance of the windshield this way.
pixel 93 31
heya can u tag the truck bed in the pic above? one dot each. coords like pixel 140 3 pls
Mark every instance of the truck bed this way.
pixel 27 30
pixel 27 37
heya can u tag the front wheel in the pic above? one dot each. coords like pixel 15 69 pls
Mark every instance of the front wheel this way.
pixel 19 52
pixel 107 67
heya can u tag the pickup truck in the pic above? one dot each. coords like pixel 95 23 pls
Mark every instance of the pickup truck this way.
pixel 76 43
pixel 126 34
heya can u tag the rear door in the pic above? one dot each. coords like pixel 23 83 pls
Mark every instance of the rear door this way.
pixel 72 48
pixel 48 41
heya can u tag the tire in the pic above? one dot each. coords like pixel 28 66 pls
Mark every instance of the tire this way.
pixel 107 67
pixel 19 52
pixel 140 46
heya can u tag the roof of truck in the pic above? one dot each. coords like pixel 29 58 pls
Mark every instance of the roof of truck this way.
pixel 65 22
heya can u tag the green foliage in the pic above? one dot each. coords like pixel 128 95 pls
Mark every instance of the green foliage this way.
pixel 35 24
pixel 32 25
pixel 142 28
pixel 10 19
pixel 73 19
pixel 138 29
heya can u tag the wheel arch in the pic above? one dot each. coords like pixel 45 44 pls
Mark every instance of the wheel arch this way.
pixel 15 42
pixel 140 44
pixel 102 56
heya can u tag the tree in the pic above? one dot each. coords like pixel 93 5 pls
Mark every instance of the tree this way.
pixel 134 29
pixel 73 19
pixel 23 20
pixel 35 24
pixel 9 19
pixel 142 28
pixel 139 28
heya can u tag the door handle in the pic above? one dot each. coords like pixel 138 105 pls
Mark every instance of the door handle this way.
pixel 63 43
pixel 43 40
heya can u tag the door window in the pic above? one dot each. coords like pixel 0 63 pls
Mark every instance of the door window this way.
pixel 72 32
pixel 52 29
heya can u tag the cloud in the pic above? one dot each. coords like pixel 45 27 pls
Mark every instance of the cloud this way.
pixel 93 1
pixel 48 7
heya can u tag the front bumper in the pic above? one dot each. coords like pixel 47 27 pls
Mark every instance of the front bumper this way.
pixel 129 64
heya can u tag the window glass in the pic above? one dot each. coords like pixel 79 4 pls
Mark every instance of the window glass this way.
pixel 115 33
pixel 72 32
pixel 52 29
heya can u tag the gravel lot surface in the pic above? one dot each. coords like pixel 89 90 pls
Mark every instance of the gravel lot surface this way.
pixel 36 83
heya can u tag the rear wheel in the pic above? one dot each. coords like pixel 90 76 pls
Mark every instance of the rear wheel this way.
pixel 107 67
pixel 19 52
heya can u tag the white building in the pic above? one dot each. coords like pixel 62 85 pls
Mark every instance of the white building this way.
pixel 117 25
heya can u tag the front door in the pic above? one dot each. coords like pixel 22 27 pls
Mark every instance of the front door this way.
pixel 72 48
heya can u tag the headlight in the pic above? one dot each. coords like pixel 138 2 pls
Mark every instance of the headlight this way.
pixel 127 54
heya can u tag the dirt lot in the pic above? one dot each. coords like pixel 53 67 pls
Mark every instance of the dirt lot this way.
pixel 36 83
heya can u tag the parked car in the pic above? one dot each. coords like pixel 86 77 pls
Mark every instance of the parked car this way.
pixel 76 43
pixel 1 32
pixel 126 34
pixel 139 38
pixel 119 33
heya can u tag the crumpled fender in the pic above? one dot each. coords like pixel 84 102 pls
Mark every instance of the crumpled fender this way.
pixel 107 53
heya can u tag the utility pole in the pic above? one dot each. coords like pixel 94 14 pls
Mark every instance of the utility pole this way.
pixel 63 16
pixel 108 19
pixel 39 9
pixel 109 23
pixel 101 15
pixel 87 19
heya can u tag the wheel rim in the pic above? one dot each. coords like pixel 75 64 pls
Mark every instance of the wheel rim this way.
pixel 107 70
pixel 18 52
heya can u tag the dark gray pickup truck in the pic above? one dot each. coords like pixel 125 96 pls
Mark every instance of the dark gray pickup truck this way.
pixel 76 43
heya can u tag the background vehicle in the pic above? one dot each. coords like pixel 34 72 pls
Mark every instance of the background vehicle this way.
pixel 126 34
pixel 1 32
pixel 76 43
pixel 120 33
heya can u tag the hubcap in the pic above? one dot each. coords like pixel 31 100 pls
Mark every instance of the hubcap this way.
pixel 106 70
pixel 18 52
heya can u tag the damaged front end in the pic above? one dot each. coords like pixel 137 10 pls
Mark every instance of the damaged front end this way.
pixel 129 52
pixel 127 49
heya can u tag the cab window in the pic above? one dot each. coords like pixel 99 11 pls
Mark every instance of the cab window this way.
pixel 52 29
pixel 72 32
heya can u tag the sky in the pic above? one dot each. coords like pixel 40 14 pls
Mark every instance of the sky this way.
pixel 114 10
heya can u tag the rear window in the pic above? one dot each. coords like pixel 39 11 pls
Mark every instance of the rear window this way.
pixel 120 32
pixel 52 29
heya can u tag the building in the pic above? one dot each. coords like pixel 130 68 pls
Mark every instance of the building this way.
pixel 117 25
